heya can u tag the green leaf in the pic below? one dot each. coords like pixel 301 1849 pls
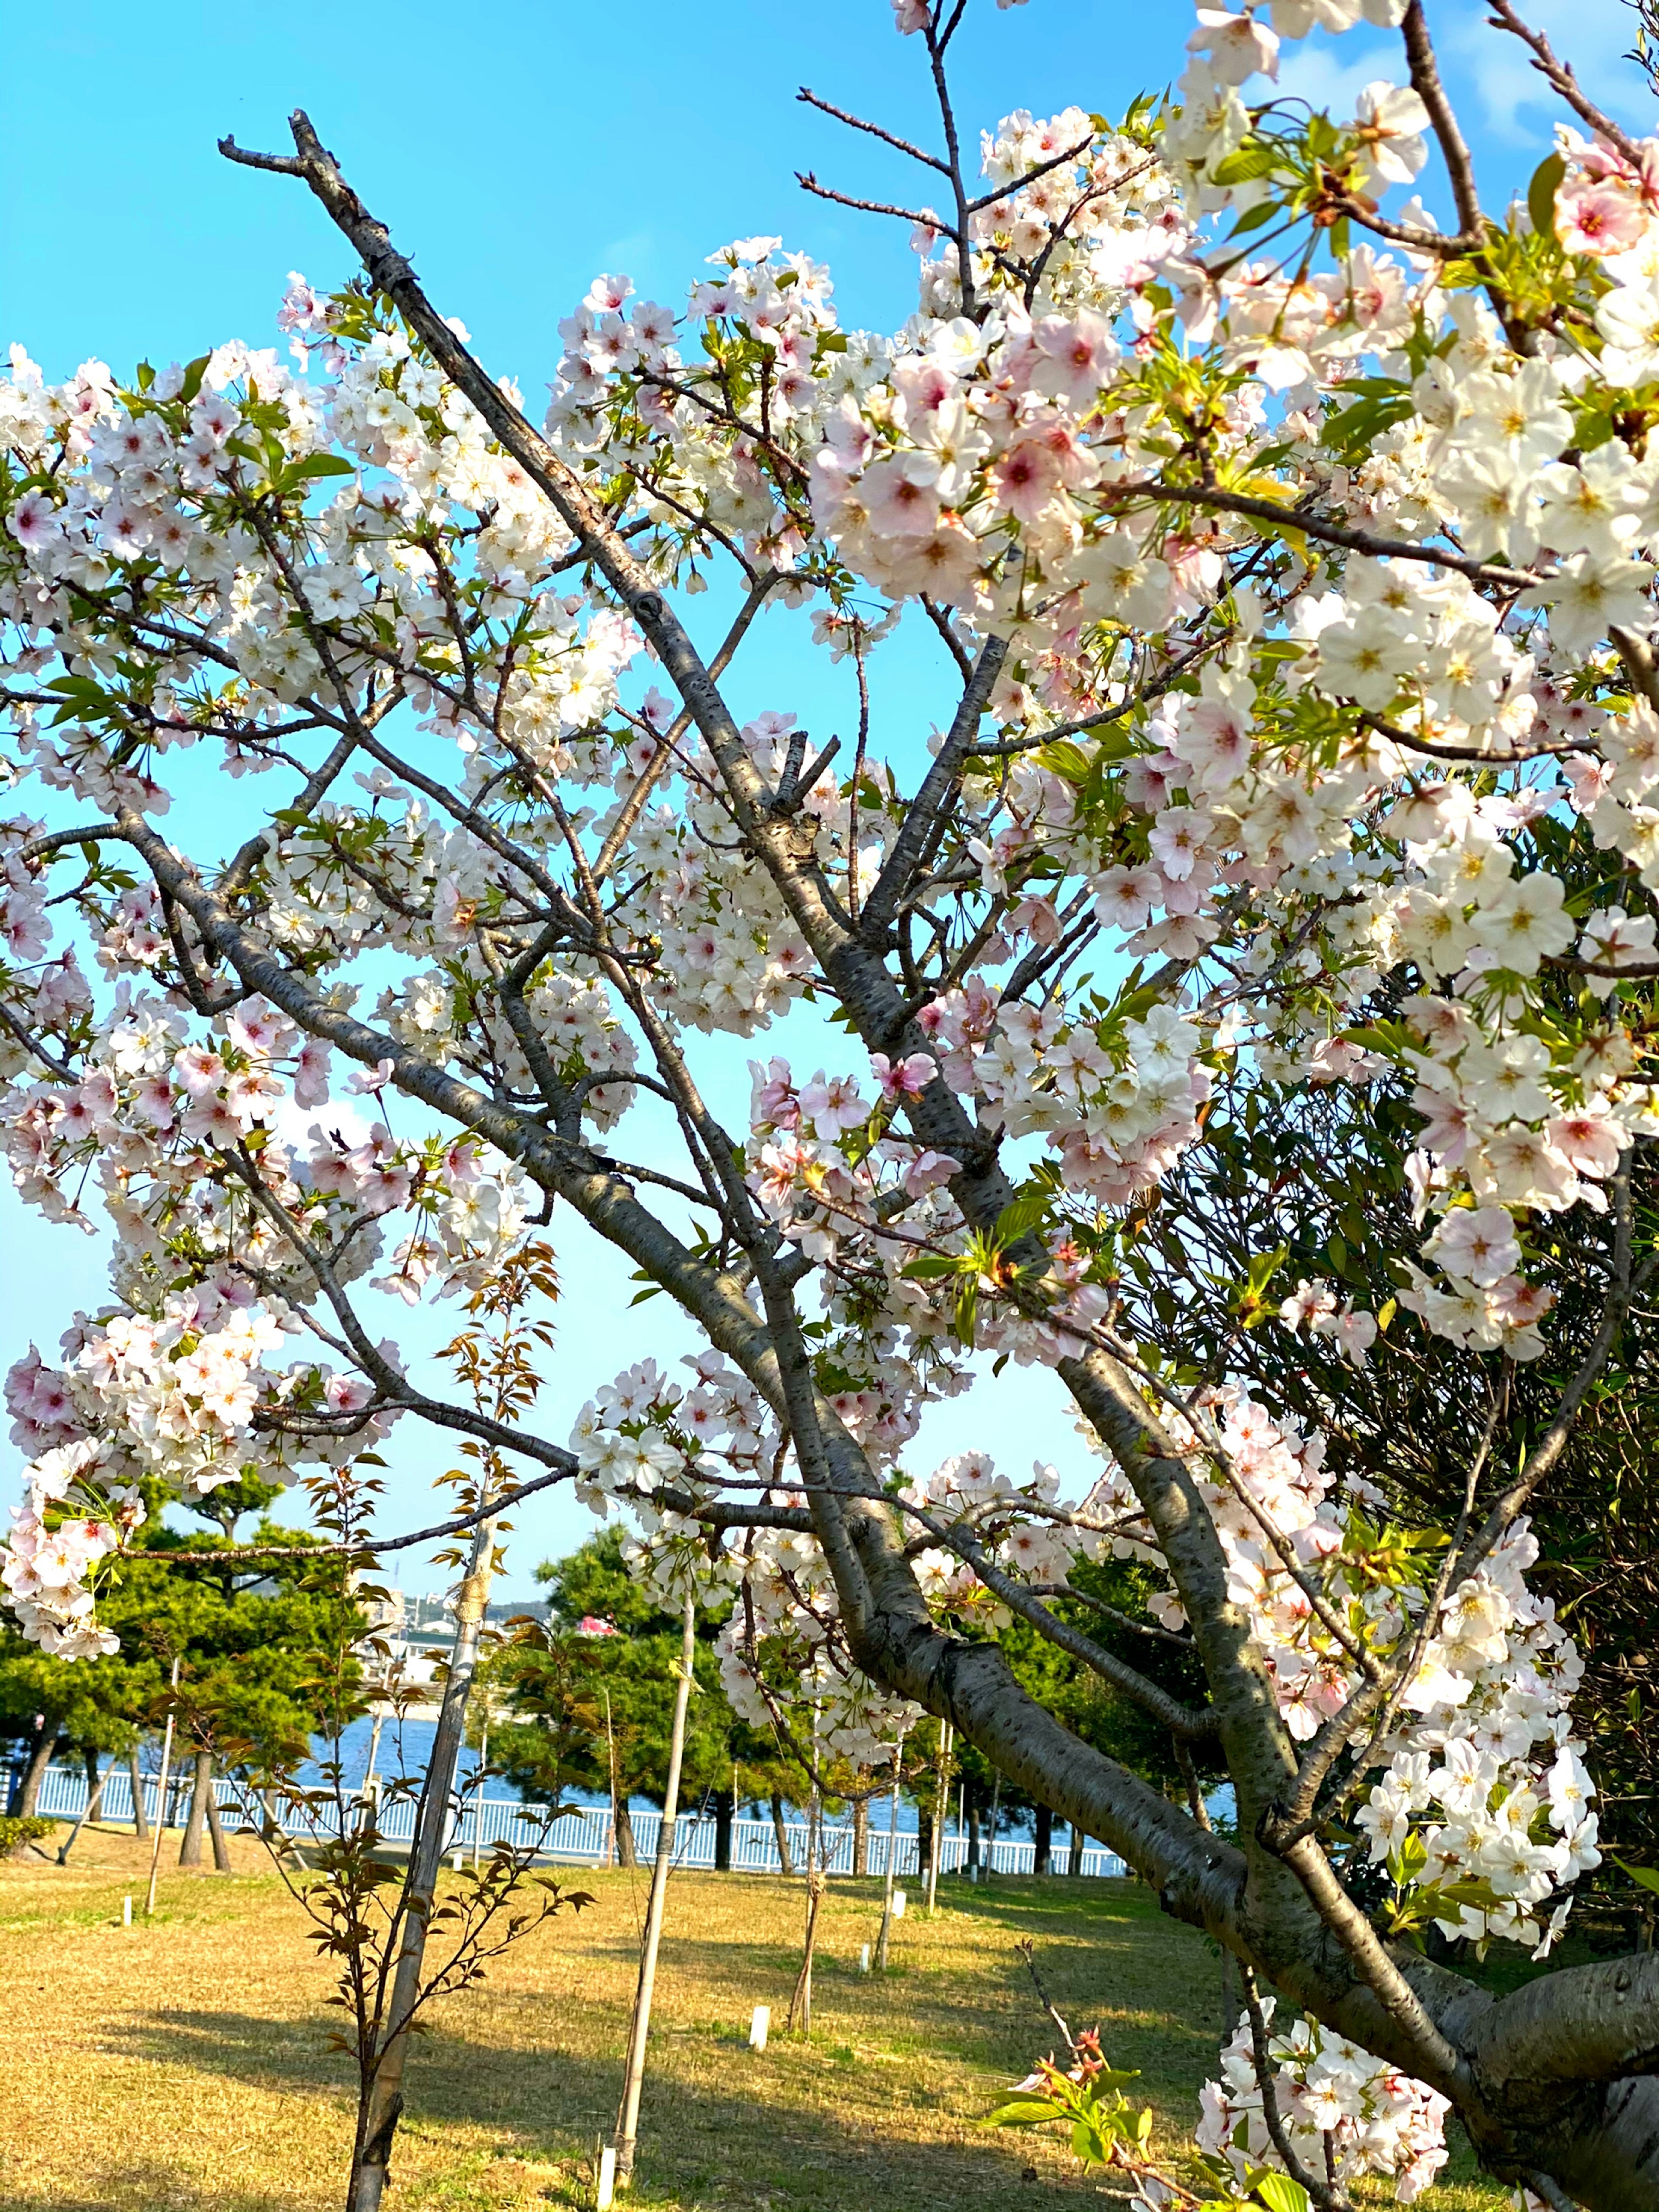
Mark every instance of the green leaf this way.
pixel 1645 1877
pixel 1064 759
pixel 1253 218
pixel 1020 1216
pixel 1280 2194
pixel 320 465
pixel 1086 2145
pixel 1540 194
pixel 1252 160
pixel 930 1266
pixel 1024 2113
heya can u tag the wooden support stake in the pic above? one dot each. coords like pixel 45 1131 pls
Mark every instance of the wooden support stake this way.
pixel 628 2119
pixel 161 1801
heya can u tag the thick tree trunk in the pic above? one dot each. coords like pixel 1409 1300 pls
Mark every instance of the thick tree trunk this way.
pixel 861 1836
pixel 136 1777
pixel 1043 1848
pixel 779 1829
pixel 725 1814
pixel 34 1773
pixel 190 1850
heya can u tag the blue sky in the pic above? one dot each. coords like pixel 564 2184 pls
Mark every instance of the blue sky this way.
pixel 516 152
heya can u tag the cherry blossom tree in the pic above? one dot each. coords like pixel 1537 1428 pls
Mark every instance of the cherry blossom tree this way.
pixel 1287 563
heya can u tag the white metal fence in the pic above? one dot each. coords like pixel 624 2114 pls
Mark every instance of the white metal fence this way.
pixel 581 1835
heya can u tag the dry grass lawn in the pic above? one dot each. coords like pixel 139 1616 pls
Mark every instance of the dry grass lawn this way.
pixel 179 2065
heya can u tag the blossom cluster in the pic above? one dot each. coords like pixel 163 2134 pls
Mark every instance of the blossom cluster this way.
pixel 1479 1810
pixel 1345 2112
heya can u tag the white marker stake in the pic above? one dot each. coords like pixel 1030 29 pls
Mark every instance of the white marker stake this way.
pixel 759 2025
pixel 898 1905
pixel 863 1960
pixel 126 1912
pixel 607 2189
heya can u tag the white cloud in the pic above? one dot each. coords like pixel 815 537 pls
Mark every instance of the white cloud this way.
pixel 1330 73
pixel 1593 35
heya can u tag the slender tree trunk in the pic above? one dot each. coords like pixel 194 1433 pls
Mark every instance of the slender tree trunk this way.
pixel 271 1828
pixel 622 1852
pixel 892 1854
pixel 800 2002
pixel 161 1783
pixel 190 1850
pixel 780 1831
pixel 136 1776
pixel 1080 1844
pixel 861 1836
pixel 28 1796
pixel 217 1829
pixel 725 1814
pixel 1045 1840
pixel 622 1825
pixel 97 1783
pixel 991 1836
pixel 925 1845
pixel 973 1834
pixel 628 2121
pixel 941 1802
pixel 380 2102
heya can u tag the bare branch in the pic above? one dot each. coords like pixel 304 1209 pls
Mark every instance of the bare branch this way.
pixel 889 885
pixel 875 129
pixel 1332 533
pixel 1454 151
pixel 1559 77
pixel 809 183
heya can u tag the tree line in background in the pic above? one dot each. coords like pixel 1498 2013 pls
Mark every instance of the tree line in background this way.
pixel 259 1645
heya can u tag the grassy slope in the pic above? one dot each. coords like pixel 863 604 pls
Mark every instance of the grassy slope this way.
pixel 181 2064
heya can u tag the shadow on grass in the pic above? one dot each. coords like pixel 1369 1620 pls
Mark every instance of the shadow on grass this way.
pixel 148 2182
pixel 712 2142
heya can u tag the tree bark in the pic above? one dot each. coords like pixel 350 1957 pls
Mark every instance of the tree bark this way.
pixel 623 1828
pixel 924 1843
pixel 381 2095
pixel 861 1836
pixel 1043 1847
pixel 96 1784
pixel 1080 1844
pixel 135 1777
pixel 973 1835
pixel 800 2001
pixel 779 1829
pixel 190 1850
pixel 28 1792
pixel 215 1829
pixel 725 1814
